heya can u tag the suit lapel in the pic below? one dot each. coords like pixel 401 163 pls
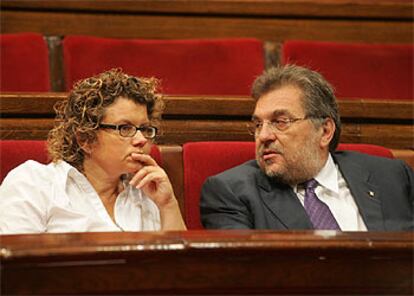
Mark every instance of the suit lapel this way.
pixel 366 194
pixel 283 203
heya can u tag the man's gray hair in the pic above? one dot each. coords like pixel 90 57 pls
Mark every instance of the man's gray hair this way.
pixel 318 95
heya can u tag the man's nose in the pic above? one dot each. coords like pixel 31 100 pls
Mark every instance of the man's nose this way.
pixel 266 133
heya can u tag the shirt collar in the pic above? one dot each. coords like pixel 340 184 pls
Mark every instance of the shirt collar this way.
pixel 328 176
pixel 67 171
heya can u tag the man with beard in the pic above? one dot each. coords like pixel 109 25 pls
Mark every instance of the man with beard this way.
pixel 298 181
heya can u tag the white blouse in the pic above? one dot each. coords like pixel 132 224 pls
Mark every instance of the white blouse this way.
pixel 37 198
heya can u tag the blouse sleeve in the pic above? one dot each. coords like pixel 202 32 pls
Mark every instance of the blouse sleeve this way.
pixel 23 199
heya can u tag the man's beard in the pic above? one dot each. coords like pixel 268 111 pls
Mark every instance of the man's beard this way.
pixel 300 165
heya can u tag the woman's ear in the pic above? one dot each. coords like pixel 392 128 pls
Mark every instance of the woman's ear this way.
pixel 328 131
pixel 83 144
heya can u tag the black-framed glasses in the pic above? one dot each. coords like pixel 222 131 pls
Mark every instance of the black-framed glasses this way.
pixel 255 126
pixel 129 130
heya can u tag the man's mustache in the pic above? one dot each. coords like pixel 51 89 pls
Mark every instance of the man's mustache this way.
pixel 269 148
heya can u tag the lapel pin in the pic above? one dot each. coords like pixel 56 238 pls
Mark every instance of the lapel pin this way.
pixel 371 193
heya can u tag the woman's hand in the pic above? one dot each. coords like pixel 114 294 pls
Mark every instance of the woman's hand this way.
pixel 153 181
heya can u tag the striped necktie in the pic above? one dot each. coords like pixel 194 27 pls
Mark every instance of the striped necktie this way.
pixel 318 212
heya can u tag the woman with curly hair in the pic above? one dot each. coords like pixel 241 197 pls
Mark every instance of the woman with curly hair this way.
pixel 101 177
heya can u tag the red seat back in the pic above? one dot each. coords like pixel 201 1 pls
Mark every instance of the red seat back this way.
pixel 15 152
pixel 367 149
pixel 185 67
pixel 372 71
pixel 204 159
pixel 24 63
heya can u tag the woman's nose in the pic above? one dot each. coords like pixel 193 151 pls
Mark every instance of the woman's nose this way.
pixel 139 140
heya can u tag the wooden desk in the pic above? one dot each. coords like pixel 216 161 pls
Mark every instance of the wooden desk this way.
pixel 208 262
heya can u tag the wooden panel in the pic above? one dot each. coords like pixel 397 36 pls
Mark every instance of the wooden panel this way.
pixel 183 27
pixel 388 135
pixel 21 104
pixel 406 155
pixel 217 106
pixel 173 131
pixel 182 131
pixel 24 128
pixel 379 109
pixel 173 165
pixel 54 44
pixel 393 9
pixel 208 262
pixel 386 123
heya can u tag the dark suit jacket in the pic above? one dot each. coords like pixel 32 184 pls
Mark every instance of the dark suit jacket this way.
pixel 244 197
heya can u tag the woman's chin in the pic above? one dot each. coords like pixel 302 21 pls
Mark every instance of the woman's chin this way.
pixel 133 168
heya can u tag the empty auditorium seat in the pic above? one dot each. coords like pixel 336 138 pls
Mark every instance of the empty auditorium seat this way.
pixel 204 159
pixel 24 63
pixel 370 71
pixel 15 152
pixel 185 67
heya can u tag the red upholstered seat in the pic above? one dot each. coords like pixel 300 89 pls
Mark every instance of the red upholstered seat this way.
pixel 186 67
pixel 15 152
pixel 371 71
pixel 204 159
pixel 367 149
pixel 24 63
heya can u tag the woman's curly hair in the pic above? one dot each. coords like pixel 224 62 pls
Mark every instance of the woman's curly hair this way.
pixel 79 115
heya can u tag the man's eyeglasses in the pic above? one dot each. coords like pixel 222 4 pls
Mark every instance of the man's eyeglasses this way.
pixel 129 130
pixel 255 126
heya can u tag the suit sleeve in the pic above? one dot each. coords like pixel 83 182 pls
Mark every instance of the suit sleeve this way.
pixel 220 208
pixel 410 184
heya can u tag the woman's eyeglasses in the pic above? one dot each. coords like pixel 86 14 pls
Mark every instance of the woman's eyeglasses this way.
pixel 129 130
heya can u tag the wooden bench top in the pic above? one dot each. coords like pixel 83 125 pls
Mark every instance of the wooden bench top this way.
pixel 208 262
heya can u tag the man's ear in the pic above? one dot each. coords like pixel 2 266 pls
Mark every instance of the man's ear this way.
pixel 328 131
